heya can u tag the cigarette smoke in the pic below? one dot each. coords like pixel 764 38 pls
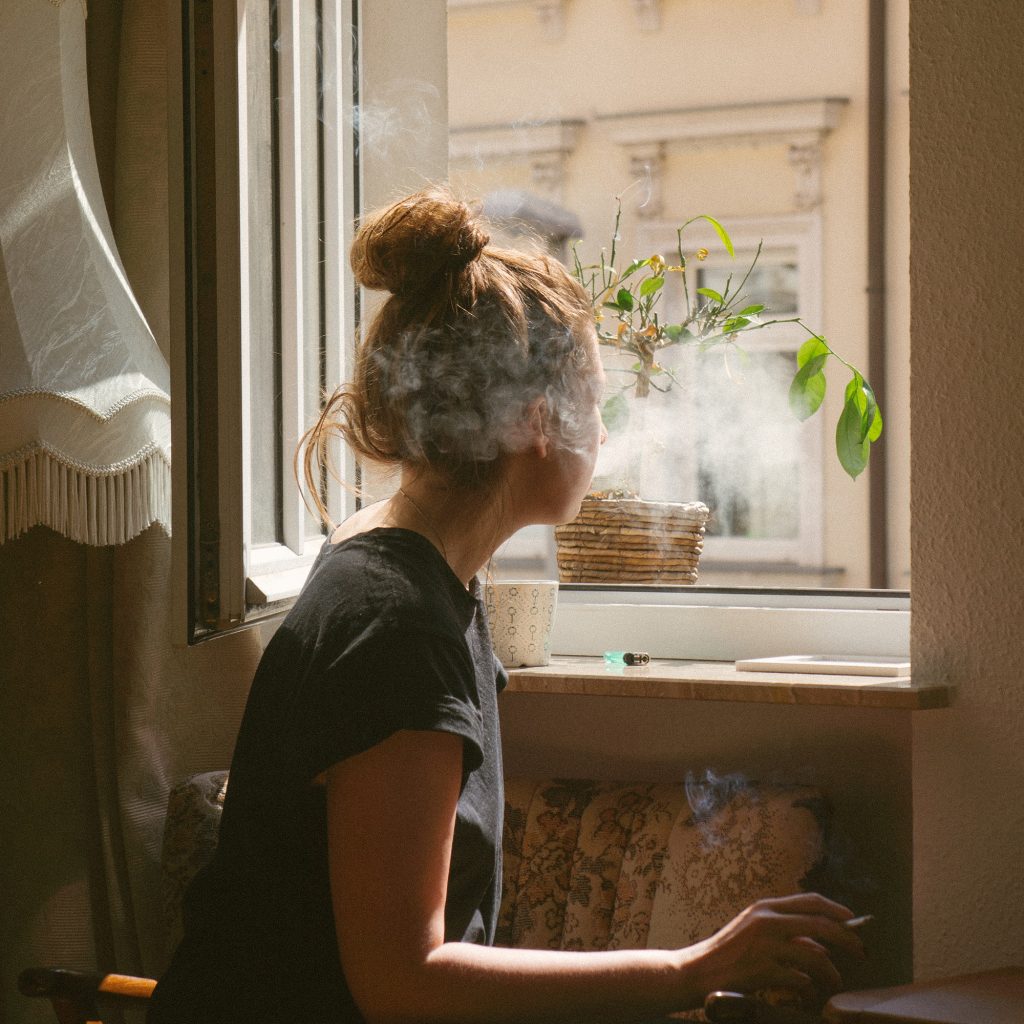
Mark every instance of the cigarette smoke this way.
pixel 723 435
pixel 464 392
pixel 709 792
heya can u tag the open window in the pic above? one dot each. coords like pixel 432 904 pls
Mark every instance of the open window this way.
pixel 292 121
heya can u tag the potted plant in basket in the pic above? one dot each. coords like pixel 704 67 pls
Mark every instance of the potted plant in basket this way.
pixel 619 536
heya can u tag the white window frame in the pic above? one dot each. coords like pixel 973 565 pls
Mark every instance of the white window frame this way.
pixel 723 624
pixel 799 237
pixel 227 581
pixel 384 38
pixel 276 572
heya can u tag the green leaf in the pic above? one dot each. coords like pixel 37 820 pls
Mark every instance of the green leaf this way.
pixel 634 267
pixel 675 331
pixel 751 310
pixel 811 349
pixel 807 390
pixel 722 234
pixel 625 299
pixel 875 430
pixel 872 420
pixel 736 323
pixel 610 305
pixel 861 392
pixel 711 294
pixel 615 413
pixel 856 394
pixel 651 285
pixel 852 448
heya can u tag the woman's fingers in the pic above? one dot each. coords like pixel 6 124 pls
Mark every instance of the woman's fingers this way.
pixel 824 930
pixel 810 915
pixel 809 903
pixel 813 960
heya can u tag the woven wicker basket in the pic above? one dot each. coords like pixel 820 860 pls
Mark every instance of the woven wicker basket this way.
pixel 628 540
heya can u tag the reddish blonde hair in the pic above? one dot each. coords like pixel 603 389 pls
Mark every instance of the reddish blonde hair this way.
pixel 468 337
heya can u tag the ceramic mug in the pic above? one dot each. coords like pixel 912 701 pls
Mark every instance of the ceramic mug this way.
pixel 521 614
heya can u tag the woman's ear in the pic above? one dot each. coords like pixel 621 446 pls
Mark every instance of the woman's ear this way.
pixel 538 427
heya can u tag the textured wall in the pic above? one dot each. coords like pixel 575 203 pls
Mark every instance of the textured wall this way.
pixel 967 214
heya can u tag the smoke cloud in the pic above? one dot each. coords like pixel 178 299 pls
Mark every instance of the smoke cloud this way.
pixel 463 393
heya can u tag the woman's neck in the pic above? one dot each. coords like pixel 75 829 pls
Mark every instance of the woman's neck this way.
pixel 466 526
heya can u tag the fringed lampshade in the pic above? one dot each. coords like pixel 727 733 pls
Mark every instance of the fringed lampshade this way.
pixel 84 388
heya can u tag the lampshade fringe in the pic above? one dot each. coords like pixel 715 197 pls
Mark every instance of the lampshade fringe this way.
pixel 92 508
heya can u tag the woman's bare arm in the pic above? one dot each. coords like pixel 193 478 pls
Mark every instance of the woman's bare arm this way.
pixel 391 816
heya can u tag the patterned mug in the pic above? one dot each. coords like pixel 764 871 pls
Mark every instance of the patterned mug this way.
pixel 520 614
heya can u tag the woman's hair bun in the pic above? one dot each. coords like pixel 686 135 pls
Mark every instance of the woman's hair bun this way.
pixel 417 241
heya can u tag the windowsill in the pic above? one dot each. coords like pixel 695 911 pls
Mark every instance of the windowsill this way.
pixel 719 680
pixel 769 567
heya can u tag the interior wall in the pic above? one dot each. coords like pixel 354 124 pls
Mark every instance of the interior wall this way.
pixel 51 592
pixel 967 484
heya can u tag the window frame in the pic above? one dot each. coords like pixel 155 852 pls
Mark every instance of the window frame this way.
pixel 727 623
pixel 221 580
pixel 275 572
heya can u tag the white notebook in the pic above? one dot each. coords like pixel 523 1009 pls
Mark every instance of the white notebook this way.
pixel 829 664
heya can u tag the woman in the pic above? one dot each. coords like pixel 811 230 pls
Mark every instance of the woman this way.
pixel 357 876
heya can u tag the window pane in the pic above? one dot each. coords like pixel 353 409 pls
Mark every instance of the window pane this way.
pixel 277 355
pixel 264 280
pixel 312 157
pixel 548 127
pixel 748 463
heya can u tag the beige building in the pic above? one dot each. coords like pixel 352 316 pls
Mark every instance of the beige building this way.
pixel 758 114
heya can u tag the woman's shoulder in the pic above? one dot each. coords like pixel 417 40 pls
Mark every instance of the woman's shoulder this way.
pixel 390 575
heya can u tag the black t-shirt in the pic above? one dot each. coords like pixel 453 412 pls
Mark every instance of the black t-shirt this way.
pixel 383 637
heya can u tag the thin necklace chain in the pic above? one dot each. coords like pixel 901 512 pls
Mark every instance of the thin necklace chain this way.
pixel 427 521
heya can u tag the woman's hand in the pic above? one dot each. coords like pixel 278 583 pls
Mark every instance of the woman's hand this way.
pixel 779 943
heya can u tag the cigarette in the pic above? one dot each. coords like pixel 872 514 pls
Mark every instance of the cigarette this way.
pixel 627 658
pixel 859 922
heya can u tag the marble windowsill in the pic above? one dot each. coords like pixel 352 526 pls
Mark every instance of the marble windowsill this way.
pixel 719 680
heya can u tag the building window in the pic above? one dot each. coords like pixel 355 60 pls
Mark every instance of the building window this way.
pixel 737 446
pixel 774 146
